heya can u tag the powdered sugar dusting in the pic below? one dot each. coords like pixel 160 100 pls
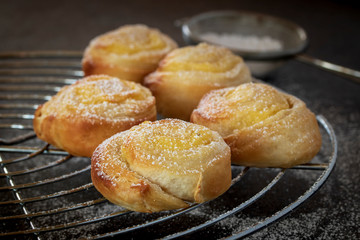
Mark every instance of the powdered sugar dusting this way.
pixel 241 107
pixel 244 42
pixel 103 98
pixel 170 144
pixel 205 64
pixel 174 144
pixel 170 153
pixel 132 42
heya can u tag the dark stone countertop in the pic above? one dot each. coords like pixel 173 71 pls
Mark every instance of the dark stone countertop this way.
pixel 334 31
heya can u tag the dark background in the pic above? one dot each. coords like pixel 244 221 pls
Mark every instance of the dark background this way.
pixel 334 31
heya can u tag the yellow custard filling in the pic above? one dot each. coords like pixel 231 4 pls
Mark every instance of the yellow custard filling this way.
pixel 188 141
pixel 201 58
pixel 112 91
pixel 253 105
pixel 132 42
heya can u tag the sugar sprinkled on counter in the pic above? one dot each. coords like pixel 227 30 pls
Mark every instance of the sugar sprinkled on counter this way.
pixel 244 42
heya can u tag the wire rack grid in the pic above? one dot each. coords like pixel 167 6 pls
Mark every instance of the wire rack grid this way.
pixel 45 193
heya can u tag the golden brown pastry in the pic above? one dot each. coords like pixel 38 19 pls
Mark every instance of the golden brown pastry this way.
pixel 160 165
pixel 186 74
pixel 80 116
pixel 263 127
pixel 129 52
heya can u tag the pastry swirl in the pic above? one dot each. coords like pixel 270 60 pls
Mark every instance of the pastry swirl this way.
pixel 82 115
pixel 159 165
pixel 129 52
pixel 262 126
pixel 187 73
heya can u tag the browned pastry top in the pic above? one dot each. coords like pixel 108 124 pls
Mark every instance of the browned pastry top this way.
pixel 264 127
pixel 82 115
pixel 186 161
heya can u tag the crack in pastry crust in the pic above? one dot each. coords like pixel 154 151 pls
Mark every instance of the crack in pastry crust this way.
pixel 160 165
pixel 262 126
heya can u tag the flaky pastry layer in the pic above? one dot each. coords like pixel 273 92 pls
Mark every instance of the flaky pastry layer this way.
pixel 159 165
pixel 129 52
pixel 262 126
pixel 187 73
pixel 82 115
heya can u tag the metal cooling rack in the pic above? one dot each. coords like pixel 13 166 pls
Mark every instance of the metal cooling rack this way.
pixel 45 193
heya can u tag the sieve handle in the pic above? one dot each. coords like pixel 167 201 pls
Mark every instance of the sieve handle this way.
pixel 354 75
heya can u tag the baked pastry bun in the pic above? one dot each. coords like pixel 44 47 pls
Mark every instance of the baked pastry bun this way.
pixel 161 165
pixel 129 52
pixel 82 115
pixel 262 126
pixel 187 73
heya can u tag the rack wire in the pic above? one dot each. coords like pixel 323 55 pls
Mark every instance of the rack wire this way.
pixel 45 193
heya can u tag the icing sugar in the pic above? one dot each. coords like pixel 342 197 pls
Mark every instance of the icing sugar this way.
pixel 104 98
pixel 244 42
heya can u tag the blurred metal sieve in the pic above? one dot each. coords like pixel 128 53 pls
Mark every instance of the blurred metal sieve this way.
pixel 293 38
